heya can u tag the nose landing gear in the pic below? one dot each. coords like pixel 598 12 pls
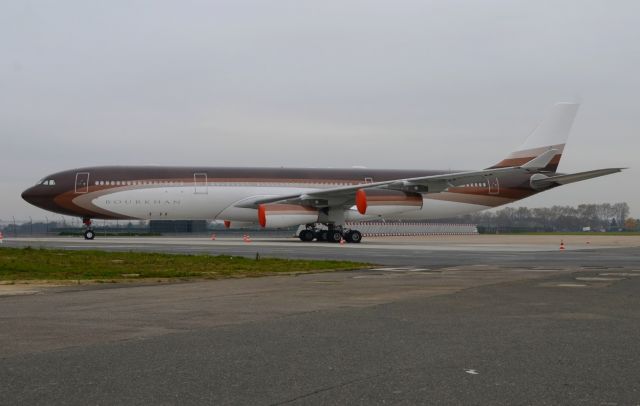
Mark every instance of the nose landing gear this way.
pixel 89 234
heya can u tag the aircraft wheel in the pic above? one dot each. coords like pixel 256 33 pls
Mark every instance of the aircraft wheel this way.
pixel 334 236
pixel 322 235
pixel 355 236
pixel 89 235
pixel 306 235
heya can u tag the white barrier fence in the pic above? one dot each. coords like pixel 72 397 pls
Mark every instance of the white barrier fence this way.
pixel 407 229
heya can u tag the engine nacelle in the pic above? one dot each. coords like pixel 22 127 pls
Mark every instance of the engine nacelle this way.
pixel 234 225
pixel 285 215
pixel 537 177
pixel 373 202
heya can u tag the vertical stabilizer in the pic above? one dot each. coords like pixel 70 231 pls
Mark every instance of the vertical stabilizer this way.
pixel 551 133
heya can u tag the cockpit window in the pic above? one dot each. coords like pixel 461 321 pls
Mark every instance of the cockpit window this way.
pixel 47 182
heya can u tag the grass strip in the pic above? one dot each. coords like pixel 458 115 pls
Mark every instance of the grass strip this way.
pixel 584 233
pixel 43 264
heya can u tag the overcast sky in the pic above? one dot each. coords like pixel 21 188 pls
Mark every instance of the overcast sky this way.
pixel 331 83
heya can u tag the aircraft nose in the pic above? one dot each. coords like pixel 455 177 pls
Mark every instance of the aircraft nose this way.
pixel 40 197
pixel 35 196
pixel 29 194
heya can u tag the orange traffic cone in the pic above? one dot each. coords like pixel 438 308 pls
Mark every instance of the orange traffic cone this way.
pixel 1 237
pixel 246 238
pixel 561 245
pixel 342 241
pixel 213 237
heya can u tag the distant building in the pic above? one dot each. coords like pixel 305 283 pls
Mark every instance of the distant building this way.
pixel 178 226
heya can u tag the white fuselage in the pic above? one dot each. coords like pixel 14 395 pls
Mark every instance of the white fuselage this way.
pixel 218 202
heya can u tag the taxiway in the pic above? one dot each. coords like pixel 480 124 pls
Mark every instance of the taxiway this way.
pixel 458 324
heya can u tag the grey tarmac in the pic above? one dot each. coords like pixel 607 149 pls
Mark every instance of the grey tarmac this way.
pixel 433 250
pixel 429 326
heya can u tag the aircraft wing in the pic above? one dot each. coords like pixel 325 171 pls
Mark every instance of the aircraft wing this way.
pixel 345 195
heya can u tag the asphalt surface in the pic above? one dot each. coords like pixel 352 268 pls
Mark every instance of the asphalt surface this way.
pixel 455 327
pixel 434 252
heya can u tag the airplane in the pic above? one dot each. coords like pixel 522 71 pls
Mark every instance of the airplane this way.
pixel 285 197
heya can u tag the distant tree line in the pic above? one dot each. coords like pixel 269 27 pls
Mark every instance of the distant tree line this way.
pixel 594 217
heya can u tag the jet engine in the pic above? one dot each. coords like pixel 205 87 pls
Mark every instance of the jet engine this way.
pixel 285 215
pixel 374 202
pixel 234 225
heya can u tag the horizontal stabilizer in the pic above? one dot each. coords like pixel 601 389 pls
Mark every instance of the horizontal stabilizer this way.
pixel 571 178
pixel 541 161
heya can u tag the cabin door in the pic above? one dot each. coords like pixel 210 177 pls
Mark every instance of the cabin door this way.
pixel 494 186
pixel 200 183
pixel 82 182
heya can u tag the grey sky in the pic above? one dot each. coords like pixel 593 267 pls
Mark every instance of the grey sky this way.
pixel 402 84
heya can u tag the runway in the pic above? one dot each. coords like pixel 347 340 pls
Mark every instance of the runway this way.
pixel 419 251
pixel 528 324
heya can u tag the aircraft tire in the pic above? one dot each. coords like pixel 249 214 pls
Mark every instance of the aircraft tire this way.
pixel 306 235
pixel 354 236
pixel 334 236
pixel 89 235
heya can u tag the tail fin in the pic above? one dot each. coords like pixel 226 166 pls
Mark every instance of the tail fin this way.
pixel 551 133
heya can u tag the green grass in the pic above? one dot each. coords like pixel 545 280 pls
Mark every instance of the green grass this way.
pixel 42 264
pixel 613 233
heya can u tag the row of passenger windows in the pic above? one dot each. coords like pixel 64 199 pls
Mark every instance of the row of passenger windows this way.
pixel 479 184
pixel 136 182
pixel 171 182
pixel 51 182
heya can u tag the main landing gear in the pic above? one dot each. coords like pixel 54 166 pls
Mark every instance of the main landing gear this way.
pixel 89 234
pixel 333 234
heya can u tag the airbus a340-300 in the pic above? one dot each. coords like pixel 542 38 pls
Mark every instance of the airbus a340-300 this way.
pixel 283 197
